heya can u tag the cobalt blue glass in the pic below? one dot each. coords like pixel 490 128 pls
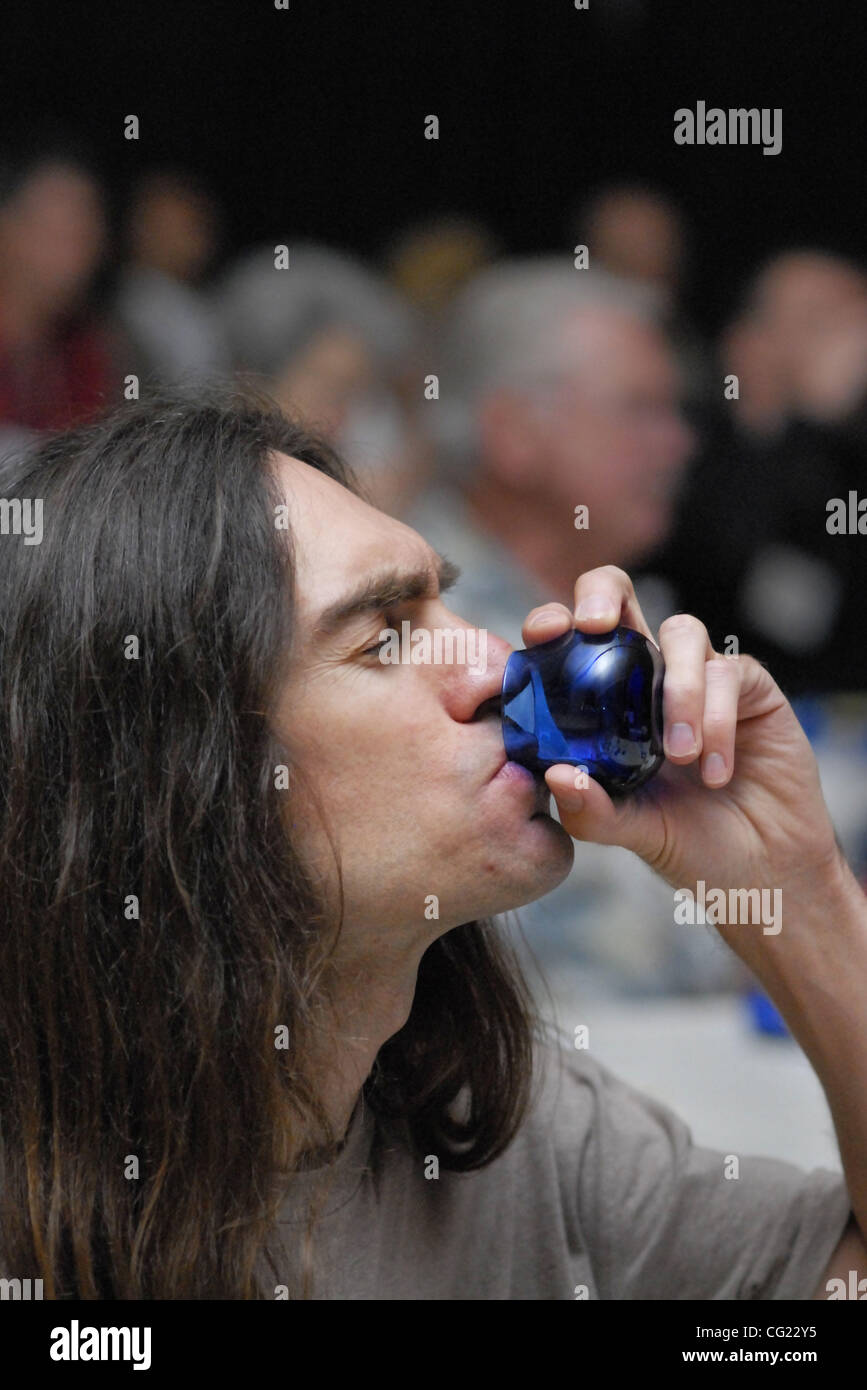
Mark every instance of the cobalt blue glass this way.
pixel 590 699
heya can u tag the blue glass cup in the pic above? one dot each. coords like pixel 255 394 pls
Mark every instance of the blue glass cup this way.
pixel 590 699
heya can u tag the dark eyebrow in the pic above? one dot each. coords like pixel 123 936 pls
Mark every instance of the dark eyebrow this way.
pixel 383 590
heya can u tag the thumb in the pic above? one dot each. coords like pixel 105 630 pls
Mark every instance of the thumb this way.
pixel 588 813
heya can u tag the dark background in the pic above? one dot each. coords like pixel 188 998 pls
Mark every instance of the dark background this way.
pixel 309 122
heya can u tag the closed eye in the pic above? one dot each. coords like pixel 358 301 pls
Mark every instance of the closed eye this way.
pixel 375 649
pixel 393 621
pixel 390 622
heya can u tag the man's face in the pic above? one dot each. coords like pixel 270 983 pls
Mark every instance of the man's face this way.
pixel 808 302
pixel 638 236
pixel 806 294
pixel 52 234
pixel 175 230
pixel 322 382
pixel 613 438
pixel 407 760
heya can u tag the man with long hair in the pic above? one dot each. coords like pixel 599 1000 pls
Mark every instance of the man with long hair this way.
pixel 257 1036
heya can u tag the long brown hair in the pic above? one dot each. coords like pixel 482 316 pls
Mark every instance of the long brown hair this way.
pixel 156 922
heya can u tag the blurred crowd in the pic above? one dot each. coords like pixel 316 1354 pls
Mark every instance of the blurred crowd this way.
pixel 483 398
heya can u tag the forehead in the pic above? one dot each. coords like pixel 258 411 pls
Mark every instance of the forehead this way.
pixel 51 181
pixel 337 537
pixel 612 345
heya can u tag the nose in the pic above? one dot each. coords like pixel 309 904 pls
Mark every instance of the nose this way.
pixel 474 688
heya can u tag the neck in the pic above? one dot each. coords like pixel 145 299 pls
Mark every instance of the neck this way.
pixel 368 1000
pixel 539 532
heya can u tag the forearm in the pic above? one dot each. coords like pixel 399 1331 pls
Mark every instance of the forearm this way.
pixel 815 970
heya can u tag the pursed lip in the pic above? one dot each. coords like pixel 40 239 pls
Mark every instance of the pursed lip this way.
pixel 499 767
pixel 509 770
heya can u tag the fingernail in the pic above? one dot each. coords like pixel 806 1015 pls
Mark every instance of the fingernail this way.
pixel 714 767
pixel 594 606
pixel 681 740
pixel 544 616
pixel 567 792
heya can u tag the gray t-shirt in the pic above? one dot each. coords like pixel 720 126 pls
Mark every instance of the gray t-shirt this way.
pixel 602 1190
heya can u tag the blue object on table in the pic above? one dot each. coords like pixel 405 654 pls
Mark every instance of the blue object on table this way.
pixel 766 1018
pixel 590 699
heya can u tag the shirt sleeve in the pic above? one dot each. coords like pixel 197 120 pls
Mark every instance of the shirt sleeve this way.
pixel 665 1219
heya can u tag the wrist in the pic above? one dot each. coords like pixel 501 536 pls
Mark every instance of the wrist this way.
pixel 815 969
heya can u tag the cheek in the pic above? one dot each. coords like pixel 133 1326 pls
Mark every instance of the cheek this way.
pixel 626 461
pixel 387 793
pixel 370 767
pixel 584 454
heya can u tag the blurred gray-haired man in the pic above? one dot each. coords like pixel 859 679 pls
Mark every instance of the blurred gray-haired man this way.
pixel 559 392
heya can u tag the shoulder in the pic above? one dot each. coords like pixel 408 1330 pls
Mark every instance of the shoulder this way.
pixel 576 1095
pixel 664 1216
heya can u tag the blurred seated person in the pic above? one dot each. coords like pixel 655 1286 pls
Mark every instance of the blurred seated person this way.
pixel 751 549
pixel 331 342
pixel 558 391
pixel 57 360
pixel 171 236
pixel 638 233
pixel 431 261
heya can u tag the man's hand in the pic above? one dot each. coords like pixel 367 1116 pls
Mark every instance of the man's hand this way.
pixel 755 820
pixel 738 802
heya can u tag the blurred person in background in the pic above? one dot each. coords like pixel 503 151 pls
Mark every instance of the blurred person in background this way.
pixel 333 344
pixel 559 390
pixel 57 359
pixel 639 234
pixel 750 548
pixel 430 262
pixel 171 235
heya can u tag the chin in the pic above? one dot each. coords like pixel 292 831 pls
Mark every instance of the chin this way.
pixel 538 864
